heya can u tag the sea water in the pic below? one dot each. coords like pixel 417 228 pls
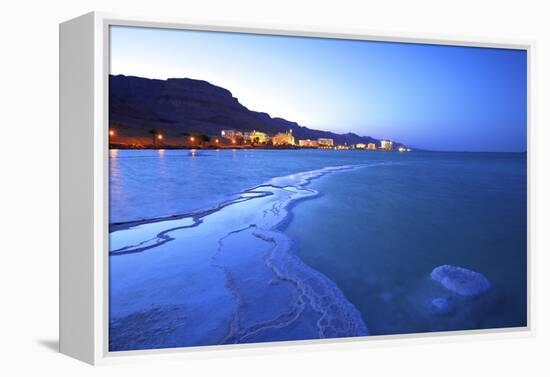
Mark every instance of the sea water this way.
pixel 232 246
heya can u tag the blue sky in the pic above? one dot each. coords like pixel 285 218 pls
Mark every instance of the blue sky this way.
pixel 426 96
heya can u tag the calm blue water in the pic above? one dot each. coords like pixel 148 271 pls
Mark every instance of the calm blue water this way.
pixel 379 231
pixel 376 231
pixel 154 183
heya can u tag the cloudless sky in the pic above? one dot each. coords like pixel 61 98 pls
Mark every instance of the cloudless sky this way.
pixel 426 96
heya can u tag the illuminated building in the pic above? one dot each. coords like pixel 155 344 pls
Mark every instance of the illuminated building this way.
pixel 386 145
pixel 342 147
pixel 325 142
pixel 285 138
pixel 231 134
pixel 308 143
pixel 258 137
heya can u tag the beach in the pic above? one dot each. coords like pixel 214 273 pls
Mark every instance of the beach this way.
pixel 233 261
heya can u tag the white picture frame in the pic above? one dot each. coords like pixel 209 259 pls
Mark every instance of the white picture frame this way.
pixel 84 69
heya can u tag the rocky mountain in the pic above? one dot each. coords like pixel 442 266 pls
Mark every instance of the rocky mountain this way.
pixel 180 107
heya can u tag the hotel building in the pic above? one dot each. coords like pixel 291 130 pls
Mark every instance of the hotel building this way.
pixel 371 147
pixel 308 143
pixel 386 145
pixel 258 137
pixel 323 142
pixel 285 138
pixel 231 134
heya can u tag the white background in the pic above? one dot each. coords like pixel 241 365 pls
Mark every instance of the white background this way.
pixel 29 189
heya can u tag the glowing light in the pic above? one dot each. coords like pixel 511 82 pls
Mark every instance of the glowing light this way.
pixel 217 140
pixel 111 132
pixel 192 138
pixel 159 136
pixel 233 141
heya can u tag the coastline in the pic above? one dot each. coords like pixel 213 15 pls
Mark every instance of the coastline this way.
pixel 297 148
pixel 227 247
pixel 229 147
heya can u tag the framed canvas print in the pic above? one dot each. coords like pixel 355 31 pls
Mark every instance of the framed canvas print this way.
pixel 226 188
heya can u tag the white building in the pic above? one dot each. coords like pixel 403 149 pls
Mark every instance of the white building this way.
pixel 325 142
pixel 308 143
pixel 386 145
pixel 231 134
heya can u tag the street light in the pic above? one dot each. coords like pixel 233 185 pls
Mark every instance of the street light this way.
pixel 111 132
pixel 159 136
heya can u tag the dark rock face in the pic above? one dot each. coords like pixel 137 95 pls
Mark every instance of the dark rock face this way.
pixel 178 107
pixel 460 280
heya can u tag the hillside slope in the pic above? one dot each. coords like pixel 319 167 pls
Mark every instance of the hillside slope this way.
pixel 179 107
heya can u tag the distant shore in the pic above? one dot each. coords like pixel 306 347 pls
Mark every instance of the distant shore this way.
pixel 233 147
pixel 118 146
pixel 248 147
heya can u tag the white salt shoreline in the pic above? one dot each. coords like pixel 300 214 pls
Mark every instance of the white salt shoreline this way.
pixel 228 277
